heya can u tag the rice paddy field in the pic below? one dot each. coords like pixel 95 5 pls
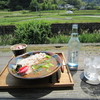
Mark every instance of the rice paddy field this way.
pixel 54 16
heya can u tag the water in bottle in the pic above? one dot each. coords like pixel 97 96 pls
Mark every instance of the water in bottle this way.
pixel 73 48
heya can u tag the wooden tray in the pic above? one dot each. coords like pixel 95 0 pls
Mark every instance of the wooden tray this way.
pixel 58 79
pixel 2 62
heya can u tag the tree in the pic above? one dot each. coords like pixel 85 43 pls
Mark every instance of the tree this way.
pixel 54 6
pixel 76 3
pixel 18 7
pixel 12 4
pixel 40 1
pixel 55 1
pixel 15 4
pixel 58 3
pixel 45 5
pixel 91 6
pixel 49 5
pixel 34 5
pixel 24 3
pixel 3 4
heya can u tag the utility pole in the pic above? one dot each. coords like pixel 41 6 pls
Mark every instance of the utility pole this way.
pixel 39 8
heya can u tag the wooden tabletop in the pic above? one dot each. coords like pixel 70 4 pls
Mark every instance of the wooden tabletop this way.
pixel 80 90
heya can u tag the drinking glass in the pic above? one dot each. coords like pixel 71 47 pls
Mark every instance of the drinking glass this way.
pixel 91 64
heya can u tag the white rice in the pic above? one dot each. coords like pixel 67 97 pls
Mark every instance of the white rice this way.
pixel 32 60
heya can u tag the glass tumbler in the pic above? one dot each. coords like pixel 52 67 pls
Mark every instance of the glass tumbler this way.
pixel 91 64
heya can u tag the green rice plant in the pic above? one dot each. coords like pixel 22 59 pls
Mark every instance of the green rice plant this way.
pixel 90 38
pixel 16 17
pixel 59 39
pixel 41 34
pixel 84 38
pixel 82 12
pixel 6 39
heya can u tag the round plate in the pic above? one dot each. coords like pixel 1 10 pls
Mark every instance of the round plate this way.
pixel 56 61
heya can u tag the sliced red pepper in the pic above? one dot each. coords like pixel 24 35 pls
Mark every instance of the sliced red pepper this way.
pixel 23 69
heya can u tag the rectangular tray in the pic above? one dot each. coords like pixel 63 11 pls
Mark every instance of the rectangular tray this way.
pixel 64 79
pixel 3 61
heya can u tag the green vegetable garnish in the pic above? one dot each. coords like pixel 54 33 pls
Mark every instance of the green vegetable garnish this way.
pixel 44 64
pixel 34 67
pixel 45 61
pixel 50 64
pixel 47 56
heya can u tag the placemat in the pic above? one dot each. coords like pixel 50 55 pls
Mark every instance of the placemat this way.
pixel 58 79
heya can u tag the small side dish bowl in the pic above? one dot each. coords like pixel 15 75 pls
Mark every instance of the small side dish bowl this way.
pixel 18 49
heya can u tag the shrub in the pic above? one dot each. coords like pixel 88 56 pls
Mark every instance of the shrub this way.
pixel 18 7
pixel 60 39
pixel 6 39
pixel 90 38
pixel 98 8
pixel 33 32
pixel 39 32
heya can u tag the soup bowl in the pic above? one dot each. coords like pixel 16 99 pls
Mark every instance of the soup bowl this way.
pixel 18 49
pixel 39 73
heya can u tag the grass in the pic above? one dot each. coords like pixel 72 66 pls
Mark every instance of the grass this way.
pixel 59 39
pixel 30 48
pixel 15 17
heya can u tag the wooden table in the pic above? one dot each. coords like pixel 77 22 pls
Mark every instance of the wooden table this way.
pixel 80 91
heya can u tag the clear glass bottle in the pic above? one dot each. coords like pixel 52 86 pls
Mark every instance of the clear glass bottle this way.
pixel 73 48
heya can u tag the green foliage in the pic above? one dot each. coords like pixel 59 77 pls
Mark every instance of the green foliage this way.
pixel 23 3
pixel 44 4
pixel 59 39
pixel 90 38
pixel 3 4
pixel 98 8
pixel 6 39
pixel 34 5
pixel 18 7
pixel 91 6
pixel 33 32
pixel 16 17
pixel 92 1
pixel 76 3
pixel 84 38
pixel 40 33
pixel 53 7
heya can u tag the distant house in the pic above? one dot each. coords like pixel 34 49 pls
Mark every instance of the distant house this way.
pixel 60 6
pixel 65 6
pixel 69 6
pixel 82 7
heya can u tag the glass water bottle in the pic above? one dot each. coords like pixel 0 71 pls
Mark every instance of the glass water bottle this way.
pixel 73 48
